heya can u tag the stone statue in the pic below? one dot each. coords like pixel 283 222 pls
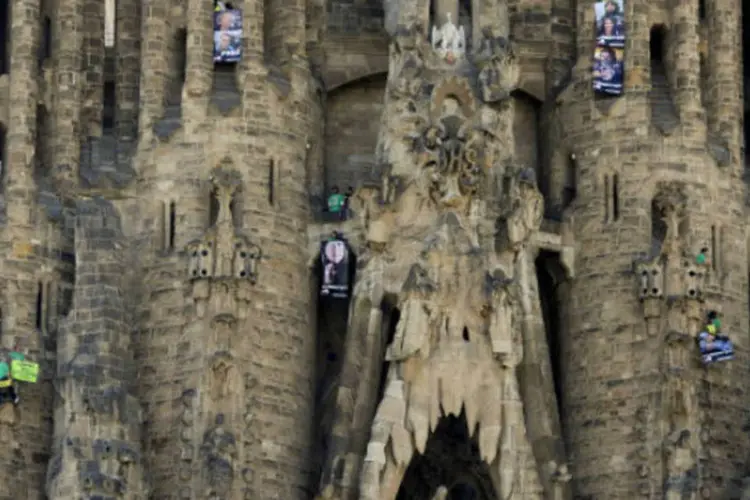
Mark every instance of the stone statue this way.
pixel 449 41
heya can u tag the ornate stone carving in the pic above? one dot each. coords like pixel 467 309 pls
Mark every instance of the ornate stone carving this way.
pixel 499 71
pixel 187 450
pixel 223 264
pixel 449 41
pixel 219 452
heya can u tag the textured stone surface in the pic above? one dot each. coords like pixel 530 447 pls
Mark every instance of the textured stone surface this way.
pixel 160 223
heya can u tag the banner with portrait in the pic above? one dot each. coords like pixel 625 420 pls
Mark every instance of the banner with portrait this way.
pixel 608 71
pixel 609 64
pixel 334 257
pixel 227 36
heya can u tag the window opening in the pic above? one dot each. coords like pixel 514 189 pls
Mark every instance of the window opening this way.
pixel 615 198
pixel 465 335
pixel 606 199
pixel 656 43
pixel 701 10
pixel 39 305
pixel 658 229
pixel 5 38
pixel 569 191
pixel 108 109
pixel 746 72
pixel 45 51
pixel 110 23
pixel 549 275
pixel 213 209
pixel 271 178
pixel 181 43
pixel 172 221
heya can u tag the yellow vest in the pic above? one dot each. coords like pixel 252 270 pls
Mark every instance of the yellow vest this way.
pixel 711 329
pixel 5 383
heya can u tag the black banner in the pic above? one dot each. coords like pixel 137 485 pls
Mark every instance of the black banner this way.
pixel 334 258
pixel 608 66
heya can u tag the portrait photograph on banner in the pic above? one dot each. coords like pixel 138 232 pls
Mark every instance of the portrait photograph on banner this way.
pixel 334 256
pixel 610 23
pixel 608 71
pixel 227 36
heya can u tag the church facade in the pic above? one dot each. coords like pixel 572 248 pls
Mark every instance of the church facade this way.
pixel 543 202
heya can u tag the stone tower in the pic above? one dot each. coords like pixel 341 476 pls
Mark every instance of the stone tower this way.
pixel 524 289
pixel 659 179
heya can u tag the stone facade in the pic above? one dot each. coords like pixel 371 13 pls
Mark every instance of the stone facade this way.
pixel 522 318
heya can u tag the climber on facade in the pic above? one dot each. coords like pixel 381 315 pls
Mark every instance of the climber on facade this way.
pixel 714 345
pixel 7 386
pixel 336 201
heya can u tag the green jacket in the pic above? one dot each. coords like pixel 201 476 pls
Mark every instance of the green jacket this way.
pixel 336 202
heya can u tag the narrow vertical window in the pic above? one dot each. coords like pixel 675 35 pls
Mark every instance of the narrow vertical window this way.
pixel 108 109
pixel 715 249
pixel 701 10
pixel 271 181
pixel 213 209
pixel 172 221
pixel 569 191
pixel 5 36
pixel 606 199
pixel 110 19
pixel 45 49
pixel 615 198
pixel 40 312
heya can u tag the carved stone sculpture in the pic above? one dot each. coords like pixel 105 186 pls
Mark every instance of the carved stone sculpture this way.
pixel 449 41
pixel 223 264
pixel 499 71
pixel 219 452
pixel 453 283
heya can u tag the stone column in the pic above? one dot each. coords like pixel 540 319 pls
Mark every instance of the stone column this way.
pixel 687 66
pixel 97 435
pixel 199 67
pixel 70 34
pixel 251 74
pixel 128 47
pixel 21 262
pixel 724 67
pixel 20 138
pixel 154 64
pixel 94 67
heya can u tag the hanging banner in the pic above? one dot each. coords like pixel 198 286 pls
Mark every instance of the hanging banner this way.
pixel 24 371
pixel 610 42
pixel 334 256
pixel 608 71
pixel 227 36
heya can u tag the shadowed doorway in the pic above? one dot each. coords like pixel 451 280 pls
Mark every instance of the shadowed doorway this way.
pixel 451 459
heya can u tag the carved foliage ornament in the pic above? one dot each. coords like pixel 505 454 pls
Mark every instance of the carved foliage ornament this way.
pixel 499 71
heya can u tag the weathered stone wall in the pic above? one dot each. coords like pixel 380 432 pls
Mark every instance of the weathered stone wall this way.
pixel 98 420
pixel 353 117
pixel 618 376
